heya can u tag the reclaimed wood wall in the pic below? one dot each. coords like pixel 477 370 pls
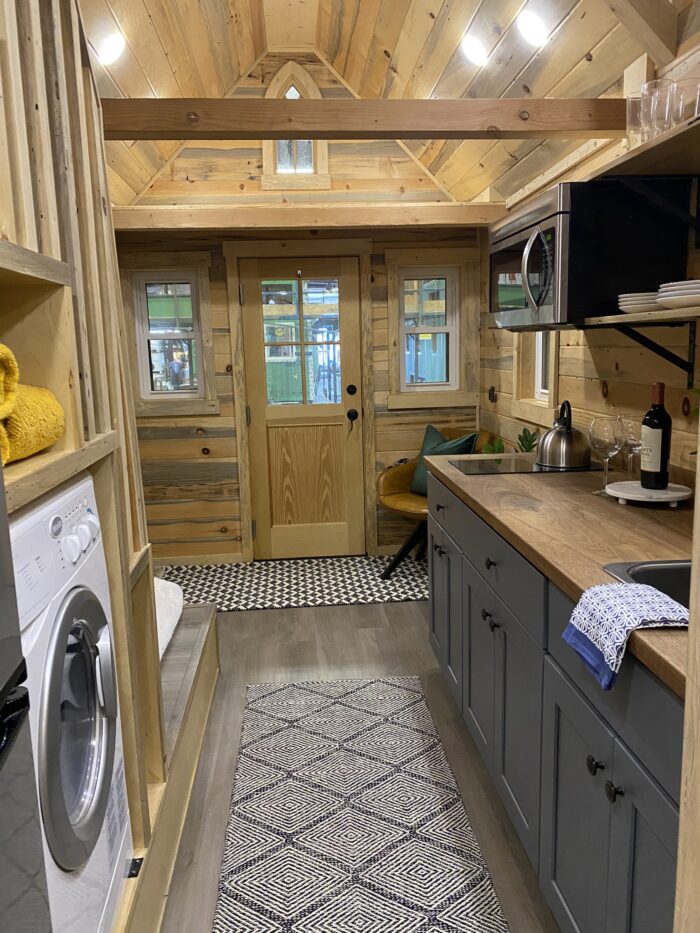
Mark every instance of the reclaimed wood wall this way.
pixel 229 171
pixel 601 372
pixel 192 497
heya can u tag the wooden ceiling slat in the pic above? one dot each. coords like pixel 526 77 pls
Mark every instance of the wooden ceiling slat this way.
pixel 419 21
pixel 387 29
pixel 167 24
pixel 353 64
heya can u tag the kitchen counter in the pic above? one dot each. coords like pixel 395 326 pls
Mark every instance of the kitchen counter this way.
pixel 557 522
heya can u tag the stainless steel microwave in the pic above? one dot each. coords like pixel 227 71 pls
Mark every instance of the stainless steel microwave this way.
pixel 569 253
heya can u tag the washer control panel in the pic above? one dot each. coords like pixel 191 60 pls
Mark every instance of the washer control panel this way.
pixel 49 543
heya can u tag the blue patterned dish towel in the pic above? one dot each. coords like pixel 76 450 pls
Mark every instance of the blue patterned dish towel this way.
pixel 606 616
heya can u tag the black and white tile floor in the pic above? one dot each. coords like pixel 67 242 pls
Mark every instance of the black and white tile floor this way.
pixel 294 584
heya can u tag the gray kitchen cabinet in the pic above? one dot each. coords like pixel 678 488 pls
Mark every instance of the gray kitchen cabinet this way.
pixel 518 728
pixel 445 577
pixel 479 662
pixel 502 702
pixel 643 842
pixel 577 760
pixel 438 596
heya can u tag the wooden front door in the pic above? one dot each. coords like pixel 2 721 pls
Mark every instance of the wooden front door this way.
pixel 301 335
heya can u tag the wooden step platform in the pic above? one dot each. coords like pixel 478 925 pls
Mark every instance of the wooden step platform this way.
pixel 189 671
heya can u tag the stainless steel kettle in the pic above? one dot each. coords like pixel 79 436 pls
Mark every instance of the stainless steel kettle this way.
pixel 564 447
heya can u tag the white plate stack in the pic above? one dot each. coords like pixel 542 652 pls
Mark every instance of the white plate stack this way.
pixel 633 302
pixel 680 294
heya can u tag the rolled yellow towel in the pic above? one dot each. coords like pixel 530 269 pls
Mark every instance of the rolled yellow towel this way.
pixel 9 377
pixel 37 422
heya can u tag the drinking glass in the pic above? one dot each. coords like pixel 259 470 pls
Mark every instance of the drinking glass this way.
pixel 656 108
pixel 685 100
pixel 632 441
pixel 607 437
pixel 634 121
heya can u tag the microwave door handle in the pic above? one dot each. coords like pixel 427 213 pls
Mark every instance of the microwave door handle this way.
pixel 524 271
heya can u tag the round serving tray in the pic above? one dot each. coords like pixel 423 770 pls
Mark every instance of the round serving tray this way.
pixel 633 491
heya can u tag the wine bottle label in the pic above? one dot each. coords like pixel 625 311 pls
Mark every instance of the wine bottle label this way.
pixel 651 449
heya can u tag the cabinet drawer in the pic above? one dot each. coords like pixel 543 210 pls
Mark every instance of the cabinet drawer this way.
pixel 520 585
pixel 643 711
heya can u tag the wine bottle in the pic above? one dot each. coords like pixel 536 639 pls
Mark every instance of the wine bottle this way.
pixel 656 441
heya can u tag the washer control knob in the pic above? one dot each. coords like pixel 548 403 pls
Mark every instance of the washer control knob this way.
pixel 93 523
pixel 85 536
pixel 72 548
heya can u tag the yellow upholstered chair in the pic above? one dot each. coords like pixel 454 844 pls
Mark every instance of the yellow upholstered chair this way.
pixel 394 493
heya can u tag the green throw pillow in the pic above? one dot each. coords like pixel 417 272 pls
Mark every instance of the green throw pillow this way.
pixel 435 445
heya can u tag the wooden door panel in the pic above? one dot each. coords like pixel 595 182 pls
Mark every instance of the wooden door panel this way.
pixel 301 353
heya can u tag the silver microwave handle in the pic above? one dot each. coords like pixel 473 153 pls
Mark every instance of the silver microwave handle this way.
pixel 534 307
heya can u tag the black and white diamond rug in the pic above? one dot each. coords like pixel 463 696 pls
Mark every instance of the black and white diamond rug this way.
pixel 295 584
pixel 346 818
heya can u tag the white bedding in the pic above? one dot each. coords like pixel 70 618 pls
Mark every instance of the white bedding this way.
pixel 169 603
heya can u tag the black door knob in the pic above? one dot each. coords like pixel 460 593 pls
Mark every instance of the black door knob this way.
pixel 351 389
pixel 594 766
pixel 352 415
pixel 489 563
pixel 612 792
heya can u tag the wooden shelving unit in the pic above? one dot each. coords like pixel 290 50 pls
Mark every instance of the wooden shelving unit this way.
pixel 650 318
pixel 676 152
pixel 22 266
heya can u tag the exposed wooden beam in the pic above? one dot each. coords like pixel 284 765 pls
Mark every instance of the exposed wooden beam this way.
pixel 653 23
pixel 291 216
pixel 241 118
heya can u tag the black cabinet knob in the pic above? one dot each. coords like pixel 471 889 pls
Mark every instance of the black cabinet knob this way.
pixel 438 550
pixel 489 563
pixel 438 507
pixel 612 792
pixel 487 617
pixel 594 766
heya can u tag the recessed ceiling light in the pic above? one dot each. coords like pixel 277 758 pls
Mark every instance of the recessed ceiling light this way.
pixel 111 47
pixel 474 51
pixel 532 29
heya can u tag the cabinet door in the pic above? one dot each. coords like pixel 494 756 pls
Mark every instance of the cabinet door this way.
pixel 478 665
pixel 452 582
pixel 436 580
pixel 577 755
pixel 518 727
pixel 644 837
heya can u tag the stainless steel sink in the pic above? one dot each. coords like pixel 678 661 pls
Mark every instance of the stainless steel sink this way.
pixel 670 576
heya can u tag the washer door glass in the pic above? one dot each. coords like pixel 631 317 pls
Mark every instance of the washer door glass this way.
pixel 77 734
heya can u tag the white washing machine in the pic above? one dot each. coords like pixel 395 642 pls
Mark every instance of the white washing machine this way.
pixel 65 619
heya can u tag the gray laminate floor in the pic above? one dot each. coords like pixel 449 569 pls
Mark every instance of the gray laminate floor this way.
pixel 325 644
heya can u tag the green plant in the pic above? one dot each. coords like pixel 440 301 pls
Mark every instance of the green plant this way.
pixel 528 440
pixel 498 447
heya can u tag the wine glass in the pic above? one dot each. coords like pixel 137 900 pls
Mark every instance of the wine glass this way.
pixel 607 438
pixel 632 441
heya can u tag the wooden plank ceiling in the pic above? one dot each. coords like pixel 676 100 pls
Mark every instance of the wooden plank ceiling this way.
pixel 378 49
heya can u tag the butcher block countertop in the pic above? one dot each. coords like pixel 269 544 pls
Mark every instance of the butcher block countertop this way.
pixel 557 522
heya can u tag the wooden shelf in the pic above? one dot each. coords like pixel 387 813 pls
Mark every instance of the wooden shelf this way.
pixel 680 316
pixel 676 152
pixel 20 266
pixel 28 479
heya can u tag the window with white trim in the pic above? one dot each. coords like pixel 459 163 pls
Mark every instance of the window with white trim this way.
pixel 428 328
pixel 169 336
pixel 294 156
pixel 542 375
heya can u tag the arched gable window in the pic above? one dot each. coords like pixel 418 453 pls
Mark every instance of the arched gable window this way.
pixel 290 164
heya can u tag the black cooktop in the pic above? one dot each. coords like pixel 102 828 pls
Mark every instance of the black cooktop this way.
pixel 473 466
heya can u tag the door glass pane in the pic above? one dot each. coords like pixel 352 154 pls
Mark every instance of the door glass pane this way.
pixel 285 155
pixel 169 306
pixel 173 365
pixel 305 156
pixel 77 723
pixel 322 361
pixel 427 358
pixel 320 306
pixel 283 377
pixel 280 303
pixel 424 302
